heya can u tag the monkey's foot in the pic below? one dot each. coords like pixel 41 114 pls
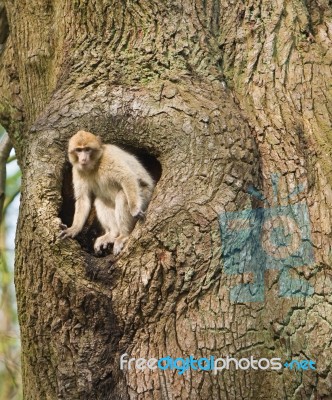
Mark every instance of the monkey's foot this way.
pixel 118 244
pixel 102 242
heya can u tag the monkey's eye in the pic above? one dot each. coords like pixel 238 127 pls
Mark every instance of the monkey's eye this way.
pixel 88 149
pixel 78 150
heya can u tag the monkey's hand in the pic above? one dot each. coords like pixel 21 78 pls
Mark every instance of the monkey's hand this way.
pixel 68 232
pixel 138 214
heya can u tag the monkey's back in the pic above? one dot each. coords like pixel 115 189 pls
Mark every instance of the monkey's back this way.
pixel 124 161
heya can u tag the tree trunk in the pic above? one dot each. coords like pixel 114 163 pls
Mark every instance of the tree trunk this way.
pixel 233 100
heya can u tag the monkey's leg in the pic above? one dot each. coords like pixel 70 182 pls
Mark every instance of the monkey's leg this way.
pixel 106 216
pixel 124 219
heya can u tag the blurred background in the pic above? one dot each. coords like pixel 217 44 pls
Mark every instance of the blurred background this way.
pixel 10 373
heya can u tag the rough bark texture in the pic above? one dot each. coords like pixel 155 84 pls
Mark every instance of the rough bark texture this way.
pixel 225 95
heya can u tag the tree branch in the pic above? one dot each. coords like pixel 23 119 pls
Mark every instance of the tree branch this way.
pixel 5 147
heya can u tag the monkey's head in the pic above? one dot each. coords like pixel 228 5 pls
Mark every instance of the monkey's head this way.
pixel 84 151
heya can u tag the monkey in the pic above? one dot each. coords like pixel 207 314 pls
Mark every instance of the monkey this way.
pixel 121 187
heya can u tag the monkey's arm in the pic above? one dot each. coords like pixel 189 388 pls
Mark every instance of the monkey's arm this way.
pixel 131 189
pixel 82 210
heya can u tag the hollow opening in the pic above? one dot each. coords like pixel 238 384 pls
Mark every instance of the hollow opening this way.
pixel 92 228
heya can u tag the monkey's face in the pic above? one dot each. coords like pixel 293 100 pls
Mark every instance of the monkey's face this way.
pixel 85 150
pixel 84 158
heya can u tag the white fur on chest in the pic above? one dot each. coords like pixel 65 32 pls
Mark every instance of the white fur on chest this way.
pixel 104 187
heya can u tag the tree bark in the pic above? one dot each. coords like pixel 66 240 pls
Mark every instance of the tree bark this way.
pixel 233 100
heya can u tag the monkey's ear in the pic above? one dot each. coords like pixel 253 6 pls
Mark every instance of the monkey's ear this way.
pixel 99 139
